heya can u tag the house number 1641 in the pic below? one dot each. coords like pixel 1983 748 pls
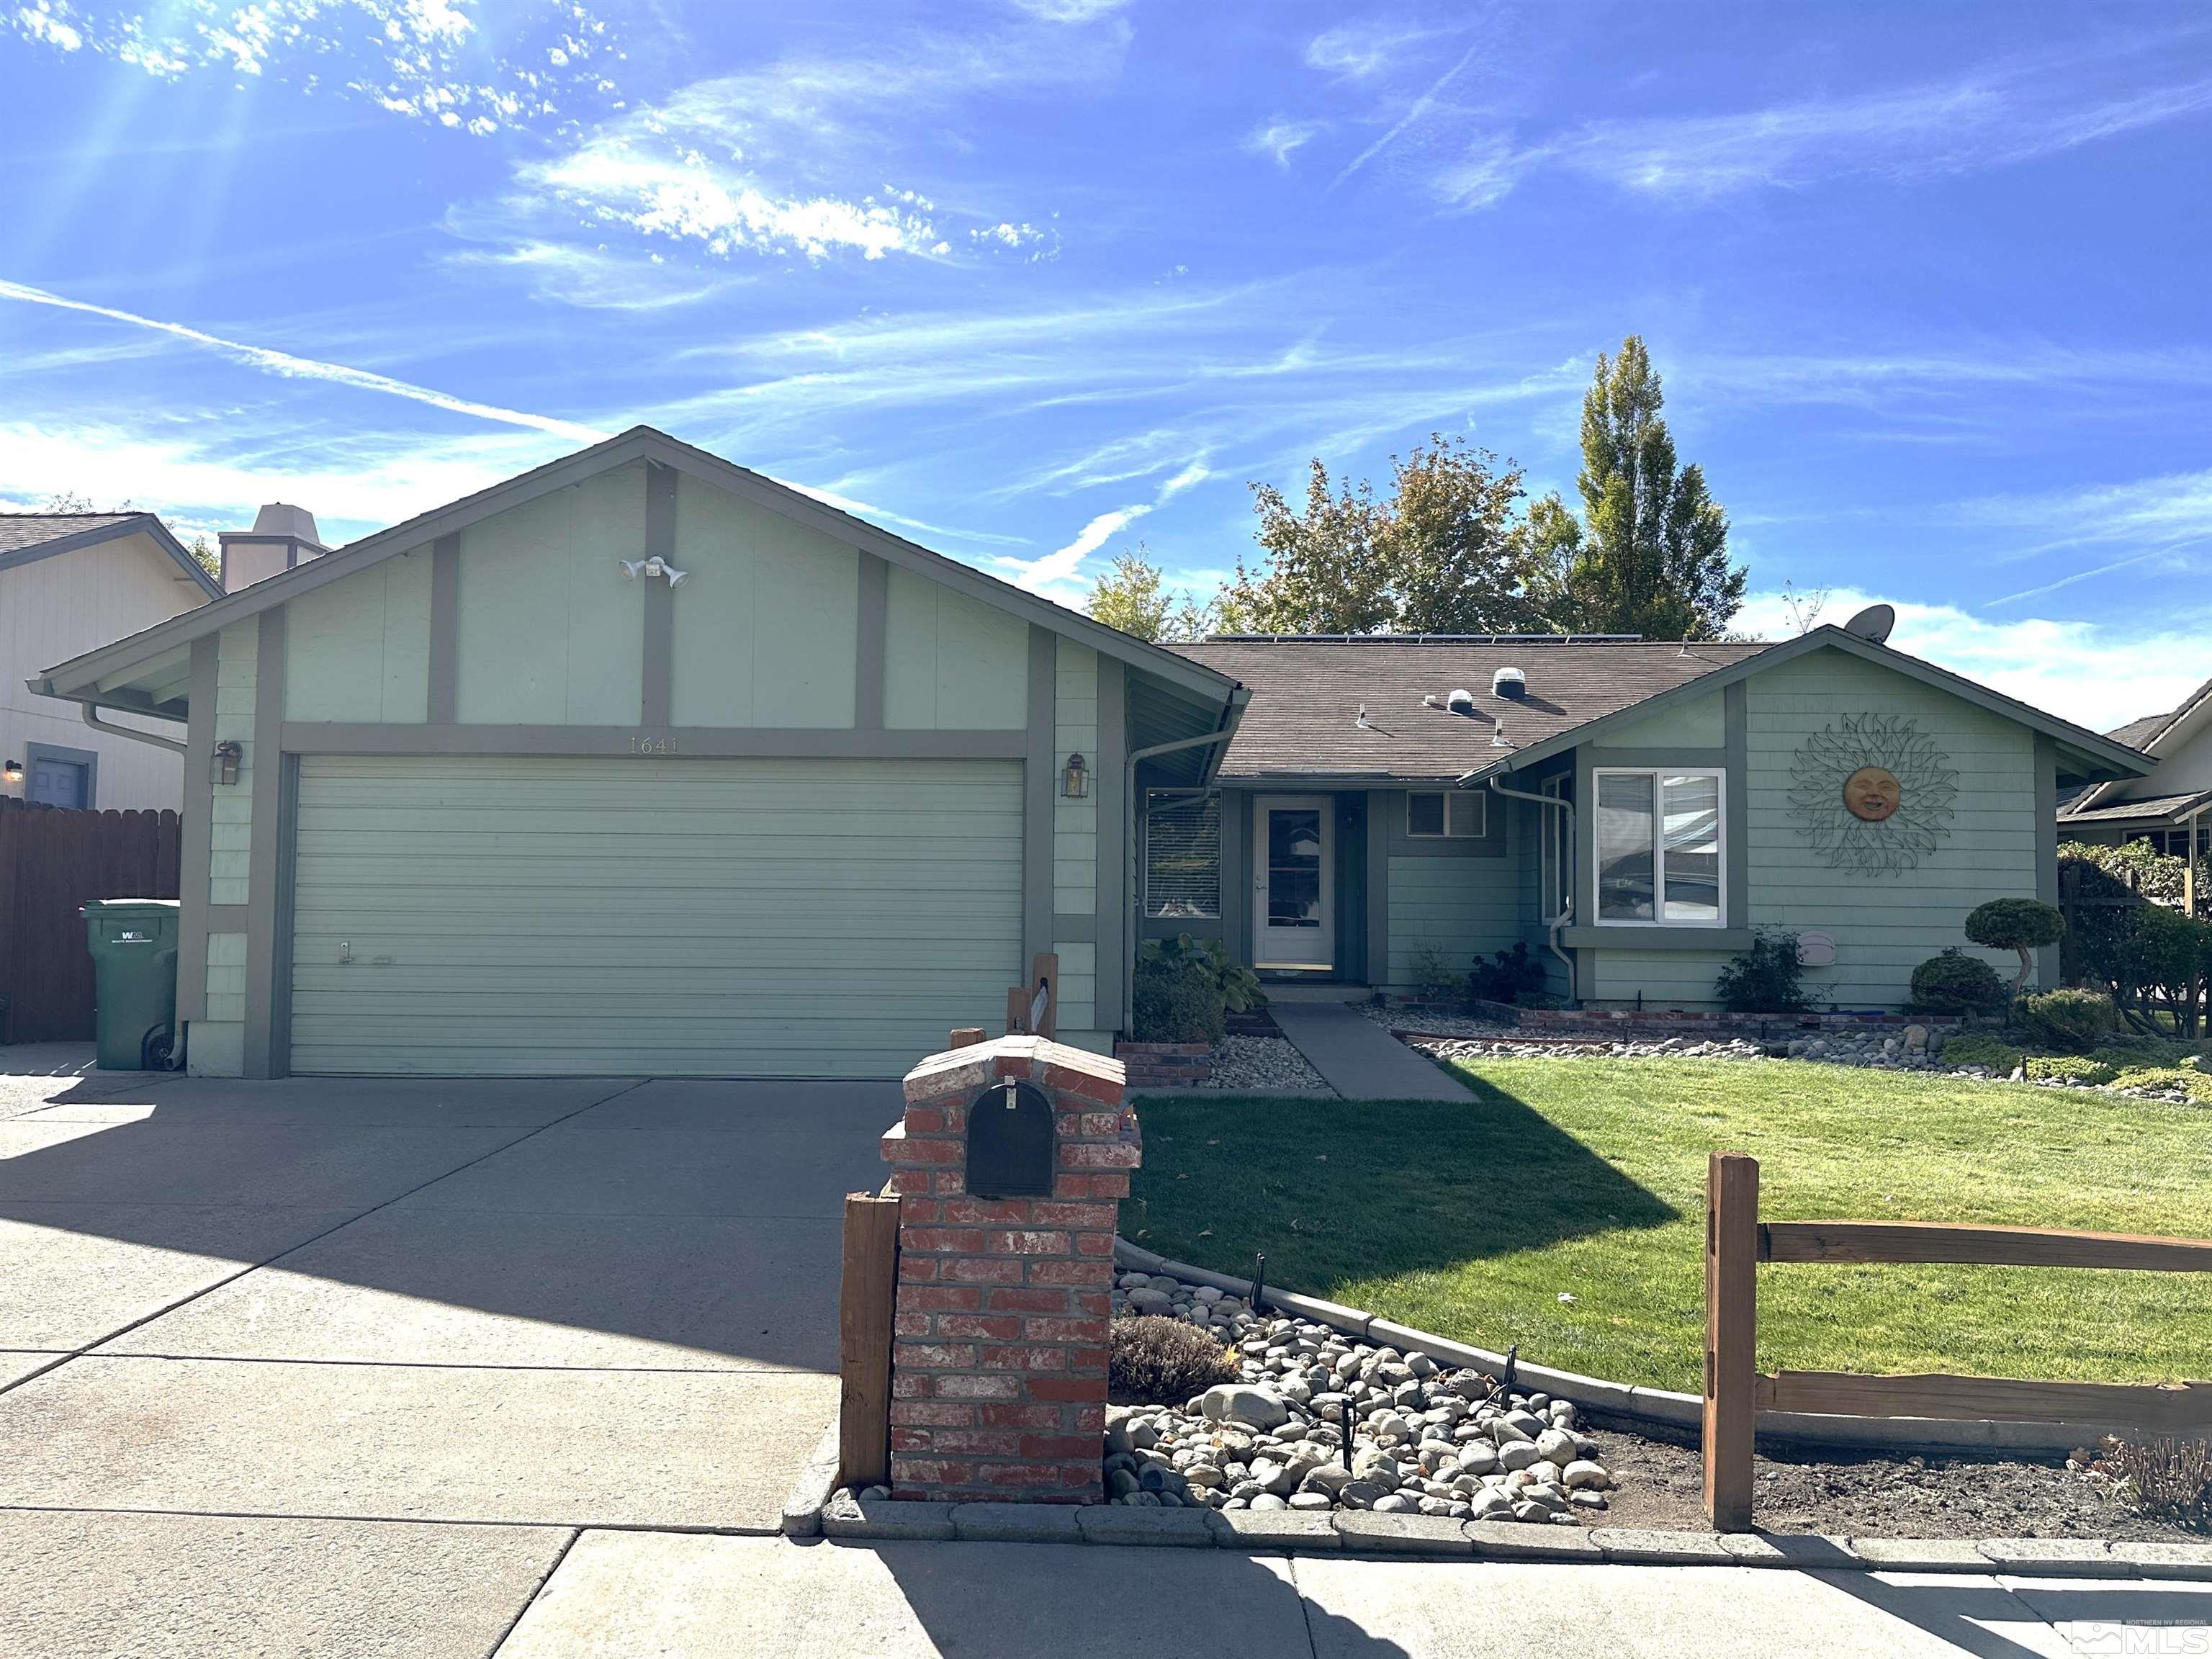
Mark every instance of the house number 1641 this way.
pixel 652 745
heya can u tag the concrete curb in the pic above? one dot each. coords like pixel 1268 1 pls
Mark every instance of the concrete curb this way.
pixel 1663 1407
pixel 1150 1091
pixel 847 1519
pixel 810 1494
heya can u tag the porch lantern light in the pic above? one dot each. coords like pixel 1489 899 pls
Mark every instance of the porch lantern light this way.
pixel 1075 783
pixel 228 754
pixel 13 773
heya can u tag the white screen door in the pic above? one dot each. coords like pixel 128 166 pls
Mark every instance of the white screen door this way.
pixel 1293 883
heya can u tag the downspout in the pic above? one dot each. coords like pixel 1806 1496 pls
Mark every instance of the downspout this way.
pixel 1129 872
pixel 91 719
pixel 1559 921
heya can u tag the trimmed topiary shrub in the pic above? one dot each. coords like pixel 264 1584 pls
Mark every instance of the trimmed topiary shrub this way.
pixel 2016 924
pixel 1164 1362
pixel 2074 1019
pixel 1764 979
pixel 1956 983
pixel 2078 1069
pixel 1979 1049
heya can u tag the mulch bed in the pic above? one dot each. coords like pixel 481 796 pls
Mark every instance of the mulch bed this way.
pixel 1872 1494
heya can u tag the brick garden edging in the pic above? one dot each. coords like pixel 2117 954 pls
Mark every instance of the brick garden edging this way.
pixel 1165 1064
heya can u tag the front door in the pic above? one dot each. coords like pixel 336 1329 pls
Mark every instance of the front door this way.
pixel 1293 883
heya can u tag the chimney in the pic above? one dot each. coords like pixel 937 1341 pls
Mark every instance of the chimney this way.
pixel 282 536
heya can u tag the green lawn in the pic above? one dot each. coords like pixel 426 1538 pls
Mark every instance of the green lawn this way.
pixel 1587 1177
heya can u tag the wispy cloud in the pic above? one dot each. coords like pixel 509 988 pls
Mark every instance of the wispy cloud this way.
pixel 2147 526
pixel 431 59
pixel 1057 575
pixel 306 369
pixel 1072 11
pixel 1998 116
pixel 1362 50
pixel 1279 139
pixel 1415 113
pixel 2099 675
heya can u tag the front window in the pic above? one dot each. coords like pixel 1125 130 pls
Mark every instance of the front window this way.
pixel 1659 848
pixel 1182 856
pixel 1445 814
pixel 1555 848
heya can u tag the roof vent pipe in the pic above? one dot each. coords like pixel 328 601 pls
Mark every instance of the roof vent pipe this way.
pixel 1461 701
pixel 1509 682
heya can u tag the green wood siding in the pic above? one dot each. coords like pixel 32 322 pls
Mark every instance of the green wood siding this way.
pixel 709 917
pixel 1466 907
pixel 549 632
pixel 359 650
pixel 765 622
pixel 1698 723
pixel 952 663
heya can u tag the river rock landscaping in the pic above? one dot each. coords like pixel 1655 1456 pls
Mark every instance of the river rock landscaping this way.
pixel 1424 1438
pixel 1260 1062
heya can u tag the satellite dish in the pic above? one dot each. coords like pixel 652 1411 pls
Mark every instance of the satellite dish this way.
pixel 1873 623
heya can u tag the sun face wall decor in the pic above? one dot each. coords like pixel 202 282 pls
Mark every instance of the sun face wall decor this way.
pixel 1872 793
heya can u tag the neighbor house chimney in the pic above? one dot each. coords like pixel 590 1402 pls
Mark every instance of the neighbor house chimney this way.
pixel 282 536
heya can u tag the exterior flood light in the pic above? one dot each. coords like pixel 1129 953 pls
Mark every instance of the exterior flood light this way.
pixel 228 754
pixel 14 773
pixel 655 566
pixel 1076 783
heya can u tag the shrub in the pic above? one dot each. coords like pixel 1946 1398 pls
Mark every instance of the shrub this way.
pixel 2168 1480
pixel 1956 983
pixel 2074 1019
pixel 1508 976
pixel 2125 1048
pixel 1978 1048
pixel 2015 924
pixel 1186 988
pixel 1435 977
pixel 1764 979
pixel 1163 1362
pixel 2134 867
pixel 2187 1080
pixel 2069 1068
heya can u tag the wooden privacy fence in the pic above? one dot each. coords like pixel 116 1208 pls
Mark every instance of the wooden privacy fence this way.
pixel 52 860
pixel 1737 1241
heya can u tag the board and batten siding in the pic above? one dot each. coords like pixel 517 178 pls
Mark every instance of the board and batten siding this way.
pixel 1885 925
pixel 532 914
pixel 358 650
pixel 952 663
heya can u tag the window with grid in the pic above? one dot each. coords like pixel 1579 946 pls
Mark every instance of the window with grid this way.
pixel 1182 856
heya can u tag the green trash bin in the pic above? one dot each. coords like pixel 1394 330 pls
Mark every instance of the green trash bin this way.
pixel 134 954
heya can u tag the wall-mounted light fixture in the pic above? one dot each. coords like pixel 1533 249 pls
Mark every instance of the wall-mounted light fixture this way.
pixel 228 754
pixel 655 566
pixel 1075 783
pixel 13 773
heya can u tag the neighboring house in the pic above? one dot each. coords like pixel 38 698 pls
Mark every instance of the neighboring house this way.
pixel 505 797
pixel 2172 809
pixel 642 762
pixel 1374 811
pixel 69 581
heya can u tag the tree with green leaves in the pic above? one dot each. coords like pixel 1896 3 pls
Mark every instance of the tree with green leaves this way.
pixel 1132 596
pixel 1439 555
pixel 1649 554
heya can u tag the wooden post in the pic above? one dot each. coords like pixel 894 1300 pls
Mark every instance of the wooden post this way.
pixel 1018 1011
pixel 865 1299
pixel 1731 1337
pixel 965 1036
pixel 1044 969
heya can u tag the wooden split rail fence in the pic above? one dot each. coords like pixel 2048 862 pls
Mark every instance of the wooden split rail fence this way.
pixel 1737 1241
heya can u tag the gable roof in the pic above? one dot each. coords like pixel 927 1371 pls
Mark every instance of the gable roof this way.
pixel 27 537
pixel 2156 735
pixel 1302 722
pixel 2155 809
pixel 72 678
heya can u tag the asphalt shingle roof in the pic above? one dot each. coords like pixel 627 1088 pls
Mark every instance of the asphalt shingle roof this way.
pixel 2149 806
pixel 20 530
pixel 2138 733
pixel 1304 717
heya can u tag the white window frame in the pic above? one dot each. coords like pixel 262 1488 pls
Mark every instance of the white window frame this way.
pixel 1658 775
pixel 1555 854
pixel 1454 800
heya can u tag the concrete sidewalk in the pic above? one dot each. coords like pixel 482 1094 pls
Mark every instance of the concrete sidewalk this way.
pixel 690 1597
pixel 1360 1058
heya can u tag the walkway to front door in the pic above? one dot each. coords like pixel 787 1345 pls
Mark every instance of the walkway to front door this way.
pixel 1360 1058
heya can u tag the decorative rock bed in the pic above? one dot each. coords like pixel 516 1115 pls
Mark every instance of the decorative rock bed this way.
pixel 1425 1439
pixel 1261 1062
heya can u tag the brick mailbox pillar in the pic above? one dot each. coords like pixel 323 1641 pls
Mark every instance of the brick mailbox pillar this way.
pixel 1010 1165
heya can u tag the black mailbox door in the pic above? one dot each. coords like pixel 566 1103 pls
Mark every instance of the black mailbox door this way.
pixel 1010 1142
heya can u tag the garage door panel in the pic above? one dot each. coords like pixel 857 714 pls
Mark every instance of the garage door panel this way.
pixel 716 916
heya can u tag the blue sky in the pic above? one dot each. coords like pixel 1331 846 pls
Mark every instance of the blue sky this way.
pixel 1032 280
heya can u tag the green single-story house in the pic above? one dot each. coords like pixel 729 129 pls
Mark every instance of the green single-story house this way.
pixel 643 762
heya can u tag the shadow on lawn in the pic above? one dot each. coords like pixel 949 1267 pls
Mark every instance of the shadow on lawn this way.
pixel 1335 1190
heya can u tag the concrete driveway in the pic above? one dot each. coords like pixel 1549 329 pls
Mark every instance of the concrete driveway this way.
pixel 263 1345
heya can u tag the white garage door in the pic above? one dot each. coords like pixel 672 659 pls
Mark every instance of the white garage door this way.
pixel 516 915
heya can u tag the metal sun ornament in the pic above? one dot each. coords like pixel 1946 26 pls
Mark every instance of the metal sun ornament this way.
pixel 1872 793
